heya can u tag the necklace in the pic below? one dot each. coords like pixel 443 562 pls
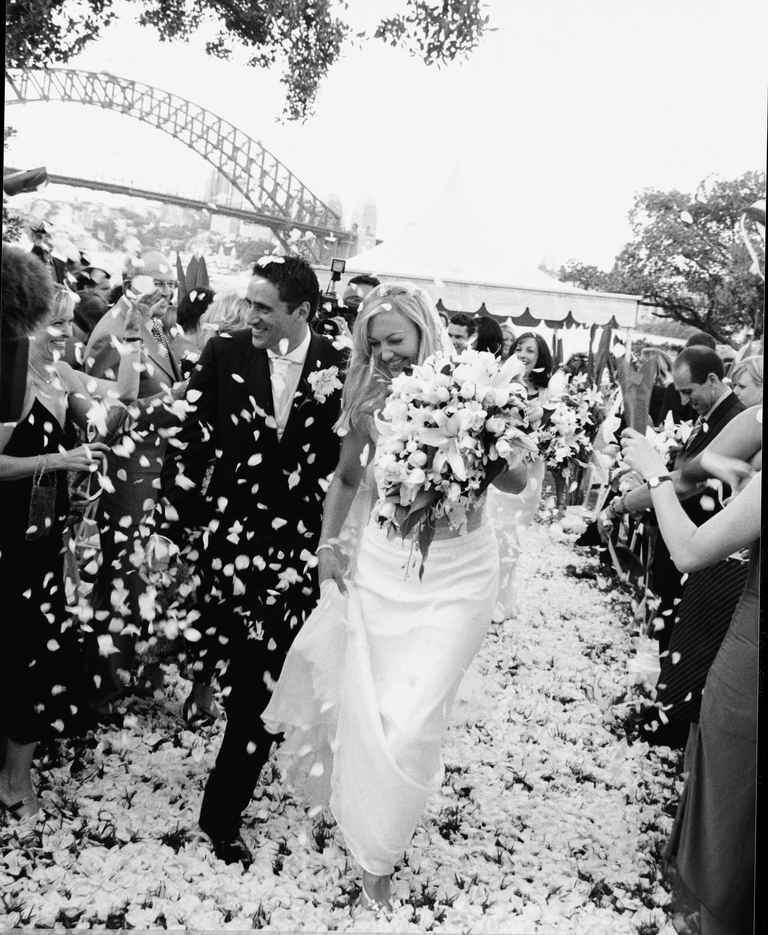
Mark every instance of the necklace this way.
pixel 42 378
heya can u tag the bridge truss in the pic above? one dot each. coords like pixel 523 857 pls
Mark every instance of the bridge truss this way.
pixel 282 202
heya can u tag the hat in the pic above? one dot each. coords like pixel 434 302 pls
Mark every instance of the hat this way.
pixel 152 264
pixel 96 273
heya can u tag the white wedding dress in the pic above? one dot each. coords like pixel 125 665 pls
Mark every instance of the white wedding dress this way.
pixel 367 687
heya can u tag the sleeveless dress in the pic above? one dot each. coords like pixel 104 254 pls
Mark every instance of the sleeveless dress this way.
pixel 510 515
pixel 41 670
pixel 367 688
pixel 713 839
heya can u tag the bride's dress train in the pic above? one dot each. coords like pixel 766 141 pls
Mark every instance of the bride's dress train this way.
pixel 366 690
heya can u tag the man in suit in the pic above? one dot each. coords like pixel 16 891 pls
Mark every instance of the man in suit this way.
pixel 136 459
pixel 266 401
pixel 692 616
pixel 698 377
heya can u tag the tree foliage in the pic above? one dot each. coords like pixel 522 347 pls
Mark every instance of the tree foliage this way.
pixel 688 259
pixel 13 223
pixel 305 36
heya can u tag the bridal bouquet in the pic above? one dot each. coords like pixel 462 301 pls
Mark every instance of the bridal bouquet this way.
pixel 570 425
pixel 449 426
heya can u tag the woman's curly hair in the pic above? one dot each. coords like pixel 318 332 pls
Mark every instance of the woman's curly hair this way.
pixel 27 291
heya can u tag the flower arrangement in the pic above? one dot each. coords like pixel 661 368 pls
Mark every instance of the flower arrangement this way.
pixel 668 440
pixel 570 425
pixel 448 427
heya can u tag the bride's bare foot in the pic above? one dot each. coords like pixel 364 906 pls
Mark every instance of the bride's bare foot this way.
pixel 376 892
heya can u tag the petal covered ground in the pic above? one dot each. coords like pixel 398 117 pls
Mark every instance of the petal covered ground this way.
pixel 547 821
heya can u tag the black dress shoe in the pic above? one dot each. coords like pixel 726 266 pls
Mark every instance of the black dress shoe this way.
pixel 231 850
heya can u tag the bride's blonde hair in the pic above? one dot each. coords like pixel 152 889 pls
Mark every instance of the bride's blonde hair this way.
pixel 366 387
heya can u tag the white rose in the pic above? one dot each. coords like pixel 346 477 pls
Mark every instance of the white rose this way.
pixel 418 459
pixel 467 390
pixel 503 447
pixel 417 477
pixel 495 425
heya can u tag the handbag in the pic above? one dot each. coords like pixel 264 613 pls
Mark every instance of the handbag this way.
pixel 42 503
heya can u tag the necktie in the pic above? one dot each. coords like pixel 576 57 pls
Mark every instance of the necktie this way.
pixel 158 332
pixel 283 377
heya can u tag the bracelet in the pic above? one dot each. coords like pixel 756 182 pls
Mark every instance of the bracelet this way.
pixel 324 545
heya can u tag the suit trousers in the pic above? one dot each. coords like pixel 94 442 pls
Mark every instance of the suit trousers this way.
pixel 256 655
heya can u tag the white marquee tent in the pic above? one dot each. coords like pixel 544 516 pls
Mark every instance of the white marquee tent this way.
pixel 453 253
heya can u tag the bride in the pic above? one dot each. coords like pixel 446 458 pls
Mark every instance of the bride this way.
pixel 366 690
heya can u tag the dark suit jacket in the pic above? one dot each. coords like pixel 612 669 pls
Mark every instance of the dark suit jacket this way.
pixel 273 488
pixel 711 428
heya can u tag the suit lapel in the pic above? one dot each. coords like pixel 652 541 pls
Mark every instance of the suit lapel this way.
pixel 259 384
pixel 315 360
pixel 709 428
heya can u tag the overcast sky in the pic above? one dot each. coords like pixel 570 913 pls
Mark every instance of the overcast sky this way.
pixel 558 118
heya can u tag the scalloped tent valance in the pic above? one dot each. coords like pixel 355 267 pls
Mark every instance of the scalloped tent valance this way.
pixel 527 320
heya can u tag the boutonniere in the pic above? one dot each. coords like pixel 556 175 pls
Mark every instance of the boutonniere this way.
pixel 324 383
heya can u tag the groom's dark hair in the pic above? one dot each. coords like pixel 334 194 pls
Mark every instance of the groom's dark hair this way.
pixel 293 278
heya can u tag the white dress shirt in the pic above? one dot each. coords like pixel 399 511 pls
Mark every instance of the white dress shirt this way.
pixel 285 372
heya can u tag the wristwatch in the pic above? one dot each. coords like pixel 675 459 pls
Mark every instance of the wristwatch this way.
pixel 653 482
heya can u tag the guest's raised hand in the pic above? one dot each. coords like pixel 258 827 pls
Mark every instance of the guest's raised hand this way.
pixel 641 455
pixel 732 471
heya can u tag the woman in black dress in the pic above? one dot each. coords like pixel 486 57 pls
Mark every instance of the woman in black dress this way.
pixel 713 840
pixel 41 674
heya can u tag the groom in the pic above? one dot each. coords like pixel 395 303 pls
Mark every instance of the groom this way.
pixel 266 400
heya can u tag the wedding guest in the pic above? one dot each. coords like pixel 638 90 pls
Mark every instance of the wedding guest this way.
pixel 265 402
pixel 693 616
pixel 671 402
pixel 489 336
pixel 576 366
pixel 713 839
pixel 512 513
pixel 134 463
pixel 189 335
pixel 747 380
pixel 93 287
pixel 42 682
pixel 25 301
pixel 461 330
pixel 509 339
pixel 225 314
pixel 357 289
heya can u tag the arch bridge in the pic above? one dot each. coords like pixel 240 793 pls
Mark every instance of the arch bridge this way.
pixel 270 190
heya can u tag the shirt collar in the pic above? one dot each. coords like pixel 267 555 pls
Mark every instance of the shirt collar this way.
pixel 298 354
pixel 717 402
